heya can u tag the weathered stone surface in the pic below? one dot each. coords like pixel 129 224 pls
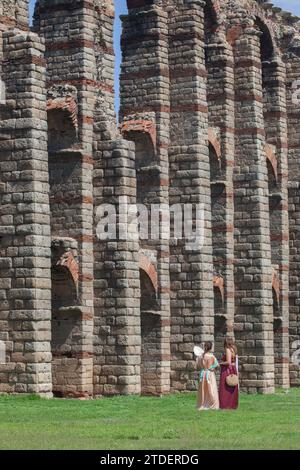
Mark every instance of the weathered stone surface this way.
pixel 207 117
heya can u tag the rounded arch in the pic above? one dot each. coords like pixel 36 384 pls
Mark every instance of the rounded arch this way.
pixel 272 181
pixel 267 42
pixel 214 142
pixel 214 162
pixel 64 290
pixel 276 288
pixel 219 287
pixel 148 268
pixel 210 17
pixel 68 261
pixel 272 161
pixel 61 129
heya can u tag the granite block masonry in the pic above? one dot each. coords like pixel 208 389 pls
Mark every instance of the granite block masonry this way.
pixel 210 117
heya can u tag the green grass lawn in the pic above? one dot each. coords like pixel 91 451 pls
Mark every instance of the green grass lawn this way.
pixel 170 423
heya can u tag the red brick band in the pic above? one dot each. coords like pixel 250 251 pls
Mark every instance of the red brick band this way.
pixel 83 82
pixel 12 22
pixel 77 44
pixel 255 131
pixel 249 97
pixel 249 63
pixel 180 72
pixel 226 96
pixel 75 157
pixel 185 37
pixel 146 73
pixel 70 200
pixel 187 108
pixel 27 60
pixel 138 39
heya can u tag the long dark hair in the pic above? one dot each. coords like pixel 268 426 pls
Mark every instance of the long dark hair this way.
pixel 208 346
pixel 229 343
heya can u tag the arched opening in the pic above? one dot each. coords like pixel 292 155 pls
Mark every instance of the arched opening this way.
pixel 148 292
pixel 62 134
pixel 210 20
pixel 266 42
pixel 64 292
pixel 215 164
pixel 220 334
pixel 144 161
pixel 218 301
pixel 268 71
pixel 150 334
pixel 216 83
pixel 277 329
pixel 144 149
pixel 275 200
pixel 220 328
pixel 65 329
pixel 218 213
pixel 272 179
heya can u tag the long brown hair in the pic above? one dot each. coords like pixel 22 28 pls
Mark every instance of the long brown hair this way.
pixel 229 343
pixel 208 346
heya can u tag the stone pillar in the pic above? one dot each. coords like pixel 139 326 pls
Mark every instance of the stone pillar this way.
pixel 220 96
pixel 275 118
pixel 192 319
pixel 117 327
pixel 145 120
pixel 117 343
pixel 25 306
pixel 14 14
pixel 68 28
pixel 293 72
pixel 253 270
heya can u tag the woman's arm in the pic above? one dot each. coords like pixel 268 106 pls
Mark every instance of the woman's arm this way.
pixel 216 364
pixel 228 358
pixel 199 363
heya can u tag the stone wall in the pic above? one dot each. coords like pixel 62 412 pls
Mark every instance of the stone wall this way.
pixel 216 73
pixel 293 70
pixel 25 308
pixel 90 305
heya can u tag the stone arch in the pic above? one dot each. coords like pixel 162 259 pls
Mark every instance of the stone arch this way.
pixel 215 163
pixel 64 290
pixel 143 124
pixel 234 31
pixel 220 321
pixel 151 328
pixel 65 273
pixel 277 328
pixel 276 286
pixel 272 160
pixel 148 268
pixel 68 261
pixel 214 142
pixel 219 286
pixel 210 17
pixel 61 129
pixel 267 42
pixel 142 131
pixel 62 112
